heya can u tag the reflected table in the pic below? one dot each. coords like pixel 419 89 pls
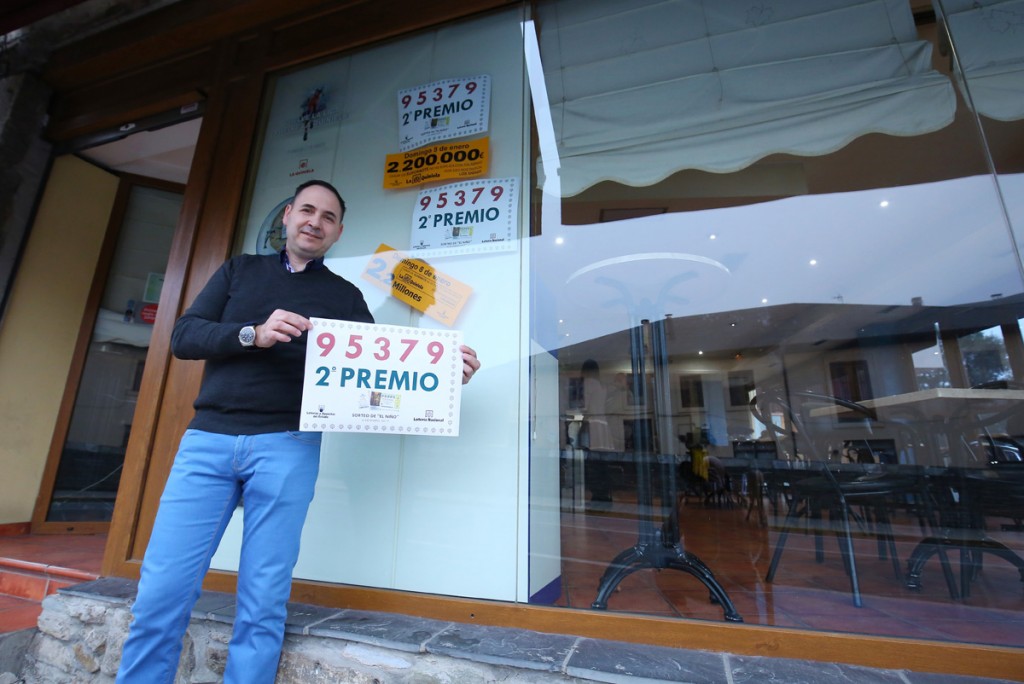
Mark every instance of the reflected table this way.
pixel 957 484
pixel 961 415
pixel 657 546
pixel 642 286
pixel 660 546
pixel 962 491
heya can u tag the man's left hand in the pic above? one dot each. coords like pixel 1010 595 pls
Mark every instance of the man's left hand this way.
pixel 470 363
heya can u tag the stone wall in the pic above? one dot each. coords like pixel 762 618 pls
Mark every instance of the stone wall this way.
pixel 79 641
pixel 82 629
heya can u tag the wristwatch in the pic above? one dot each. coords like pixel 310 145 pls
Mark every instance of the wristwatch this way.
pixel 247 336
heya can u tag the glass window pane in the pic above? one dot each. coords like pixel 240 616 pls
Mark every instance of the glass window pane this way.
pixel 392 127
pixel 843 246
pixel 94 449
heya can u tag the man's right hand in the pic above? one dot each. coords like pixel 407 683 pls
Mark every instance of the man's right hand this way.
pixel 281 326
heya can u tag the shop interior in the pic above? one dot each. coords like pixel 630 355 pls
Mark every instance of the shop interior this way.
pixel 834 461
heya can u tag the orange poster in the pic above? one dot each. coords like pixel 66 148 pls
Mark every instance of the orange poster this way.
pixel 447 161
pixel 416 283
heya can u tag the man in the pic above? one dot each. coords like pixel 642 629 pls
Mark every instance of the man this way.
pixel 248 323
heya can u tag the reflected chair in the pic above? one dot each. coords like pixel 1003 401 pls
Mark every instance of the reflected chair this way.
pixel 717 486
pixel 964 498
pixel 755 493
pixel 988 484
pixel 811 479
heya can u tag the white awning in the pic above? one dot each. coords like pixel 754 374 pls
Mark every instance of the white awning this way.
pixel 642 89
pixel 988 37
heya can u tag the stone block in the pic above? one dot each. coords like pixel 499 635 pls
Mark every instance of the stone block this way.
pixel 503 646
pixel 85 658
pixel 611 661
pixel 117 632
pixel 86 611
pixel 400 632
pixel 95 639
pixel 308 661
pixel 751 669
pixel 53 652
pixel 54 620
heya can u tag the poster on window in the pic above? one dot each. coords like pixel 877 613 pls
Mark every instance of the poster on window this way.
pixel 418 283
pixel 363 377
pixel 442 110
pixel 444 161
pixel 467 217
pixel 302 132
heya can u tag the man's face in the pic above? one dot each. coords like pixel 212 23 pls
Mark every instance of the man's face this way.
pixel 312 223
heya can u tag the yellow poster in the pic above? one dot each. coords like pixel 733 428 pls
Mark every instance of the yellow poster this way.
pixel 447 161
pixel 416 283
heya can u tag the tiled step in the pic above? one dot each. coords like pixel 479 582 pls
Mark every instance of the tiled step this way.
pixel 35 581
pixel 17 614
pixel 23 586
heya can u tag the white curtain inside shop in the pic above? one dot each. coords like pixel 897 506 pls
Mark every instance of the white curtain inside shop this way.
pixel 988 37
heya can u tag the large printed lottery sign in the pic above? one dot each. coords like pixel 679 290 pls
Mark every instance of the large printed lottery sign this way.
pixel 471 216
pixel 442 110
pixel 387 379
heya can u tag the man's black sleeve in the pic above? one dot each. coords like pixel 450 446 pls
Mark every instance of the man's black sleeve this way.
pixel 199 333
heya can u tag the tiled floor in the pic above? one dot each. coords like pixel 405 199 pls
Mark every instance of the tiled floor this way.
pixel 34 566
pixel 17 613
pixel 79 551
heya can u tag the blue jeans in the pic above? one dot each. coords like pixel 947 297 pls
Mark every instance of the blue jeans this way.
pixel 274 474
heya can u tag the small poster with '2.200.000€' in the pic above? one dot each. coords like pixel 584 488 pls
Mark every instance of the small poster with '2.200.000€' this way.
pixel 363 377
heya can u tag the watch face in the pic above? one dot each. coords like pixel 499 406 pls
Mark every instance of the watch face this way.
pixel 247 335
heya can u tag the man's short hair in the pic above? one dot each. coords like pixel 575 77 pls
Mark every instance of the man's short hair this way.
pixel 326 185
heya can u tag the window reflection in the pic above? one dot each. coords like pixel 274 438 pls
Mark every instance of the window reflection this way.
pixel 835 399
pixel 929 369
pixel 985 358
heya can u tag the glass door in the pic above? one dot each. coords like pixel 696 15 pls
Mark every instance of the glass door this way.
pixel 94 436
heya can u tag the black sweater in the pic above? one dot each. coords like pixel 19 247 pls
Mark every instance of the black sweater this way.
pixel 248 391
